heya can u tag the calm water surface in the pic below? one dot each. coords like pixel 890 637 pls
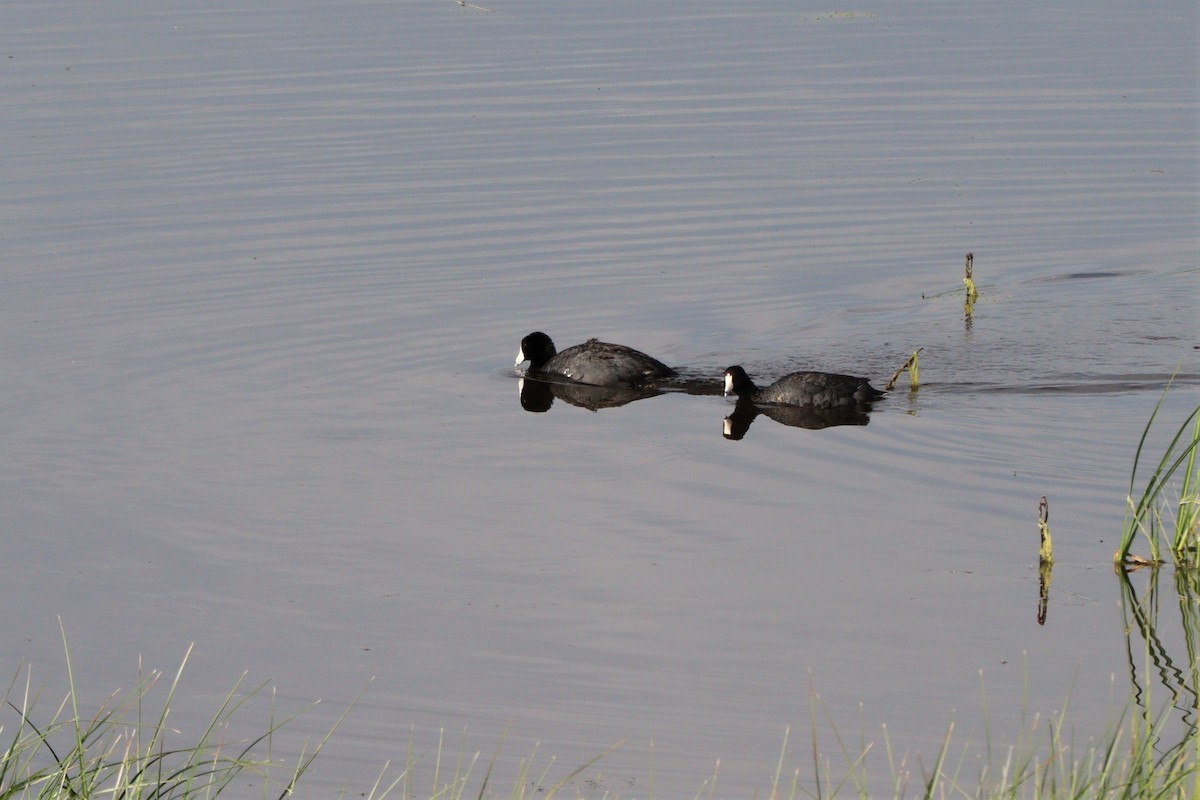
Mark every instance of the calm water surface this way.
pixel 265 270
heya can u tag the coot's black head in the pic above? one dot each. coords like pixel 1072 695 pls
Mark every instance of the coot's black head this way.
pixel 738 382
pixel 537 349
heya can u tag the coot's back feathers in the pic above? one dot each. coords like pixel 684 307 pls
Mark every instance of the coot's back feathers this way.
pixel 593 362
pixel 815 389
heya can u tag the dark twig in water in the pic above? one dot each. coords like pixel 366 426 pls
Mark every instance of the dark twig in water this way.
pixel 465 4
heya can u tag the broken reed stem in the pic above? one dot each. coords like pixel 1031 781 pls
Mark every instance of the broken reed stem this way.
pixel 911 366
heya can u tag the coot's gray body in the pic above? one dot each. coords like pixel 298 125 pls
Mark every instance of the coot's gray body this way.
pixel 815 389
pixel 594 362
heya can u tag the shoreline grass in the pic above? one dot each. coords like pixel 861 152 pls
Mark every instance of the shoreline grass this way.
pixel 118 753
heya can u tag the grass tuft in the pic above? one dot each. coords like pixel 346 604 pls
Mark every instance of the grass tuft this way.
pixel 119 753
pixel 1153 514
pixel 1129 761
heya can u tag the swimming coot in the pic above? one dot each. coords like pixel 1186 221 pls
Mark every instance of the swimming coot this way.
pixel 593 362
pixel 815 389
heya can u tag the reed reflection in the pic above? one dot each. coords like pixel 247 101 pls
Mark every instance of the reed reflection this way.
pixel 1160 635
pixel 1045 560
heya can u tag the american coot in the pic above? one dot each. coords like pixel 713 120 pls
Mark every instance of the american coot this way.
pixel 815 389
pixel 593 362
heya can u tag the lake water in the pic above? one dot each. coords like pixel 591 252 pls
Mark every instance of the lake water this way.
pixel 266 268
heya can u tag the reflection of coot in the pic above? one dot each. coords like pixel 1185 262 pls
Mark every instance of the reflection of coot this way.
pixel 593 362
pixel 744 413
pixel 537 396
pixel 816 390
